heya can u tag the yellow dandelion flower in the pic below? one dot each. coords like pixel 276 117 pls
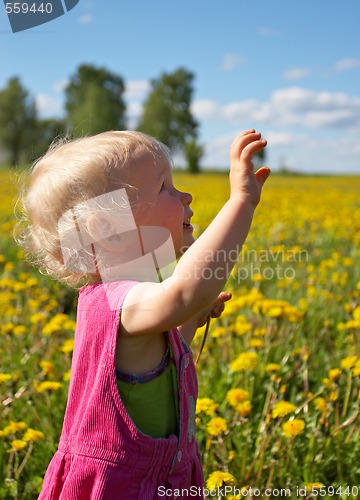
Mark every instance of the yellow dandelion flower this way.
pixel 334 396
pixel 37 318
pixel 5 377
pixel 282 408
pixel 8 327
pixel 206 405
pixel 256 343
pixel 68 346
pixel 243 408
pixel 33 435
pixel 353 324
pixel 19 330
pixel 32 282
pixel 293 427
pixel 348 362
pixel 241 326
pixel 341 326
pixel 320 404
pixel 236 396
pixel 67 376
pixel 245 361
pixel 14 427
pixel 60 318
pixel 356 369
pixel 218 332
pixel 17 445
pixel 9 266
pixel 47 386
pixel 47 368
pixel 329 384
pixel 312 486
pixel 70 324
pixel 259 332
pixel 216 426
pixel 19 287
pixel 275 312
pixel 218 479
pixel 293 314
pixel 51 328
pixel 272 367
pixel 356 313
pixel 334 374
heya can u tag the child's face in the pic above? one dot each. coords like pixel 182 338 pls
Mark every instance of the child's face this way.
pixel 156 201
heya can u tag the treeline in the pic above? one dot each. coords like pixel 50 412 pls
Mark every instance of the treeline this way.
pixel 94 102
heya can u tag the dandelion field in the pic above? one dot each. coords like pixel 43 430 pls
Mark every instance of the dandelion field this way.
pixel 279 377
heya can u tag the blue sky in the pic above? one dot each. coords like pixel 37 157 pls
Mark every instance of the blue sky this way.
pixel 289 69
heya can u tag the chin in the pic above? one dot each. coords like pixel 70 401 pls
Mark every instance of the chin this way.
pixel 187 242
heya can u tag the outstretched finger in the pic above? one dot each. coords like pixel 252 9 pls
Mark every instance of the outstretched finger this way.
pixel 241 142
pixel 262 174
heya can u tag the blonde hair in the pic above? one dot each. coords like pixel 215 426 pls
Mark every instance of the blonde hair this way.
pixel 72 172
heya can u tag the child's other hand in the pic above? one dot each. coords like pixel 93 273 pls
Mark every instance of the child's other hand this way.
pixel 215 310
pixel 245 183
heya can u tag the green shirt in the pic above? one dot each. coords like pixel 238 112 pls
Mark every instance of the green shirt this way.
pixel 153 405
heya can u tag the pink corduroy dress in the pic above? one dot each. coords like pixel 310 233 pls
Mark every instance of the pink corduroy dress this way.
pixel 102 454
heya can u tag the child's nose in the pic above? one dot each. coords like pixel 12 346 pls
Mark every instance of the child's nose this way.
pixel 186 198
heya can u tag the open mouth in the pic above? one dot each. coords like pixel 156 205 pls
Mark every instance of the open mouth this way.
pixel 187 224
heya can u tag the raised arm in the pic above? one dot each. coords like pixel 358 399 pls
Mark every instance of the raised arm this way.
pixel 203 270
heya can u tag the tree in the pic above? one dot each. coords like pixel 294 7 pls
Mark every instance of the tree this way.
pixel 17 120
pixel 193 153
pixel 94 101
pixel 45 132
pixel 259 158
pixel 166 113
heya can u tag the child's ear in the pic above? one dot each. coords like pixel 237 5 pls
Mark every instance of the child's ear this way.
pixel 101 229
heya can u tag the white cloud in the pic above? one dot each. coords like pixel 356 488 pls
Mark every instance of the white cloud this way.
pixel 243 110
pixel 60 86
pixel 276 139
pixel 231 61
pixel 296 73
pixel 134 110
pixel 307 130
pixel 302 152
pixel 290 107
pixel 47 106
pixel 206 109
pixel 346 64
pixel 137 89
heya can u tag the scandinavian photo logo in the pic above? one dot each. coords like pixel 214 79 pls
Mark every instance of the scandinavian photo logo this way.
pixel 100 237
pixel 30 13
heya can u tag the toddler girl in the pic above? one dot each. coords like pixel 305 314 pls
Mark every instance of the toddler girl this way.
pixel 103 212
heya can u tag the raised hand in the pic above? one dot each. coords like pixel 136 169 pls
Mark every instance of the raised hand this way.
pixel 244 182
